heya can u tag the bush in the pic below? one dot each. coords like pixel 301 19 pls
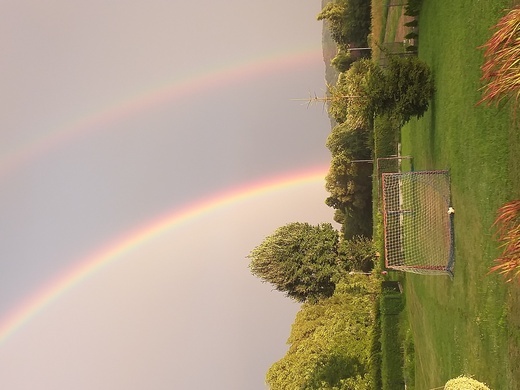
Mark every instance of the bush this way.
pixel 465 383
pixel 375 349
pixel 392 356
pixel 411 35
pixel 412 23
pixel 508 235
pixel 501 69
pixel 411 48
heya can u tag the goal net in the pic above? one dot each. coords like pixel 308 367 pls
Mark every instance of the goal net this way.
pixel 418 222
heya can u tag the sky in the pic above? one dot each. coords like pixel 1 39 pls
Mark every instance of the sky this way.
pixel 147 147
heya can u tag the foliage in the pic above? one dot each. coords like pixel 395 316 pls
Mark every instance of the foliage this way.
pixel 409 359
pixel 405 88
pixel 348 20
pixel 413 7
pixel 333 14
pixel 412 23
pixel 357 254
pixel 346 185
pixel 346 56
pixel 392 358
pixel 349 183
pixel 357 221
pixel 351 97
pixel 465 383
pixel 386 135
pixel 411 35
pixel 328 347
pixel 342 61
pixel 298 259
pixel 508 234
pixel 350 187
pixel 501 68
pixel 375 348
pixel 351 142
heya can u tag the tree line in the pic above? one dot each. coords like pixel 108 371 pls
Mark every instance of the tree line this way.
pixel 363 90
pixel 316 265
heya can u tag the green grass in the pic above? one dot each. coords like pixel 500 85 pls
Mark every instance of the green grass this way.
pixel 378 26
pixel 471 324
pixel 392 22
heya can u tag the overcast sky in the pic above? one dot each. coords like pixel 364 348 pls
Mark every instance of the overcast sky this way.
pixel 116 114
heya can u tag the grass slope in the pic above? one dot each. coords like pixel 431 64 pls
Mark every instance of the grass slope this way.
pixel 470 325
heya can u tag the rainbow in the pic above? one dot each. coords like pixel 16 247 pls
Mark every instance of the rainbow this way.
pixel 129 242
pixel 185 87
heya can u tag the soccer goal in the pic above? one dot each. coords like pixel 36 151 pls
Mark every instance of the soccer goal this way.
pixel 418 222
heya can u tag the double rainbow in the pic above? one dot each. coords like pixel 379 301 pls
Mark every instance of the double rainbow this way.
pixel 138 237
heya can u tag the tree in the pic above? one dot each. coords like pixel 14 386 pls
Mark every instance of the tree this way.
pixel 405 88
pixel 348 183
pixel 353 142
pixel 333 13
pixel 328 345
pixel 342 61
pixel 357 254
pixel 298 259
pixel 351 97
pixel 348 20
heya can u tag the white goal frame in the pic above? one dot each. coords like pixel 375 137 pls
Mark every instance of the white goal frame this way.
pixel 418 222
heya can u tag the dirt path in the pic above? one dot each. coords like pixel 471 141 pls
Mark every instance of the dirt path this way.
pixel 402 30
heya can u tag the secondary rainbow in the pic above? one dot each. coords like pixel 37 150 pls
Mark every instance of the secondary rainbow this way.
pixel 134 239
pixel 186 87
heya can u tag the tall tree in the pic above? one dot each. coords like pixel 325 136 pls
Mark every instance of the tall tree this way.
pixel 298 259
pixel 405 88
pixel 348 20
pixel 351 96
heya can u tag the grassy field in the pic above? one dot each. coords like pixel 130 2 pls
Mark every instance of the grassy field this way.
pixel 471 324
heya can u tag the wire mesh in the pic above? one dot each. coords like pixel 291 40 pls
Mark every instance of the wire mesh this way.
pixel 417 225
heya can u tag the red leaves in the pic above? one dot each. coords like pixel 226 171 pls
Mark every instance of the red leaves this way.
pixel 508 234
pixel 501 69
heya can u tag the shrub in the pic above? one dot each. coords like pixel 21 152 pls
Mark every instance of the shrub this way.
pixel 342 61
pixel 412 23
pixel 507 224
pixel 411 35
pixel 411 48
pixel 501 68
pixel 375 348
pixel 392 357
pixel 413 8
pixel 465 383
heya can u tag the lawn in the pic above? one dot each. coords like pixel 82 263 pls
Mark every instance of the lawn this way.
pixel 471 324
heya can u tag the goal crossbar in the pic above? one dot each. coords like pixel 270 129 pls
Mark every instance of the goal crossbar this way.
pixel 418 222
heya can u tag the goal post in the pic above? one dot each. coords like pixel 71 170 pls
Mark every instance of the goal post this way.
pixel 418 222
